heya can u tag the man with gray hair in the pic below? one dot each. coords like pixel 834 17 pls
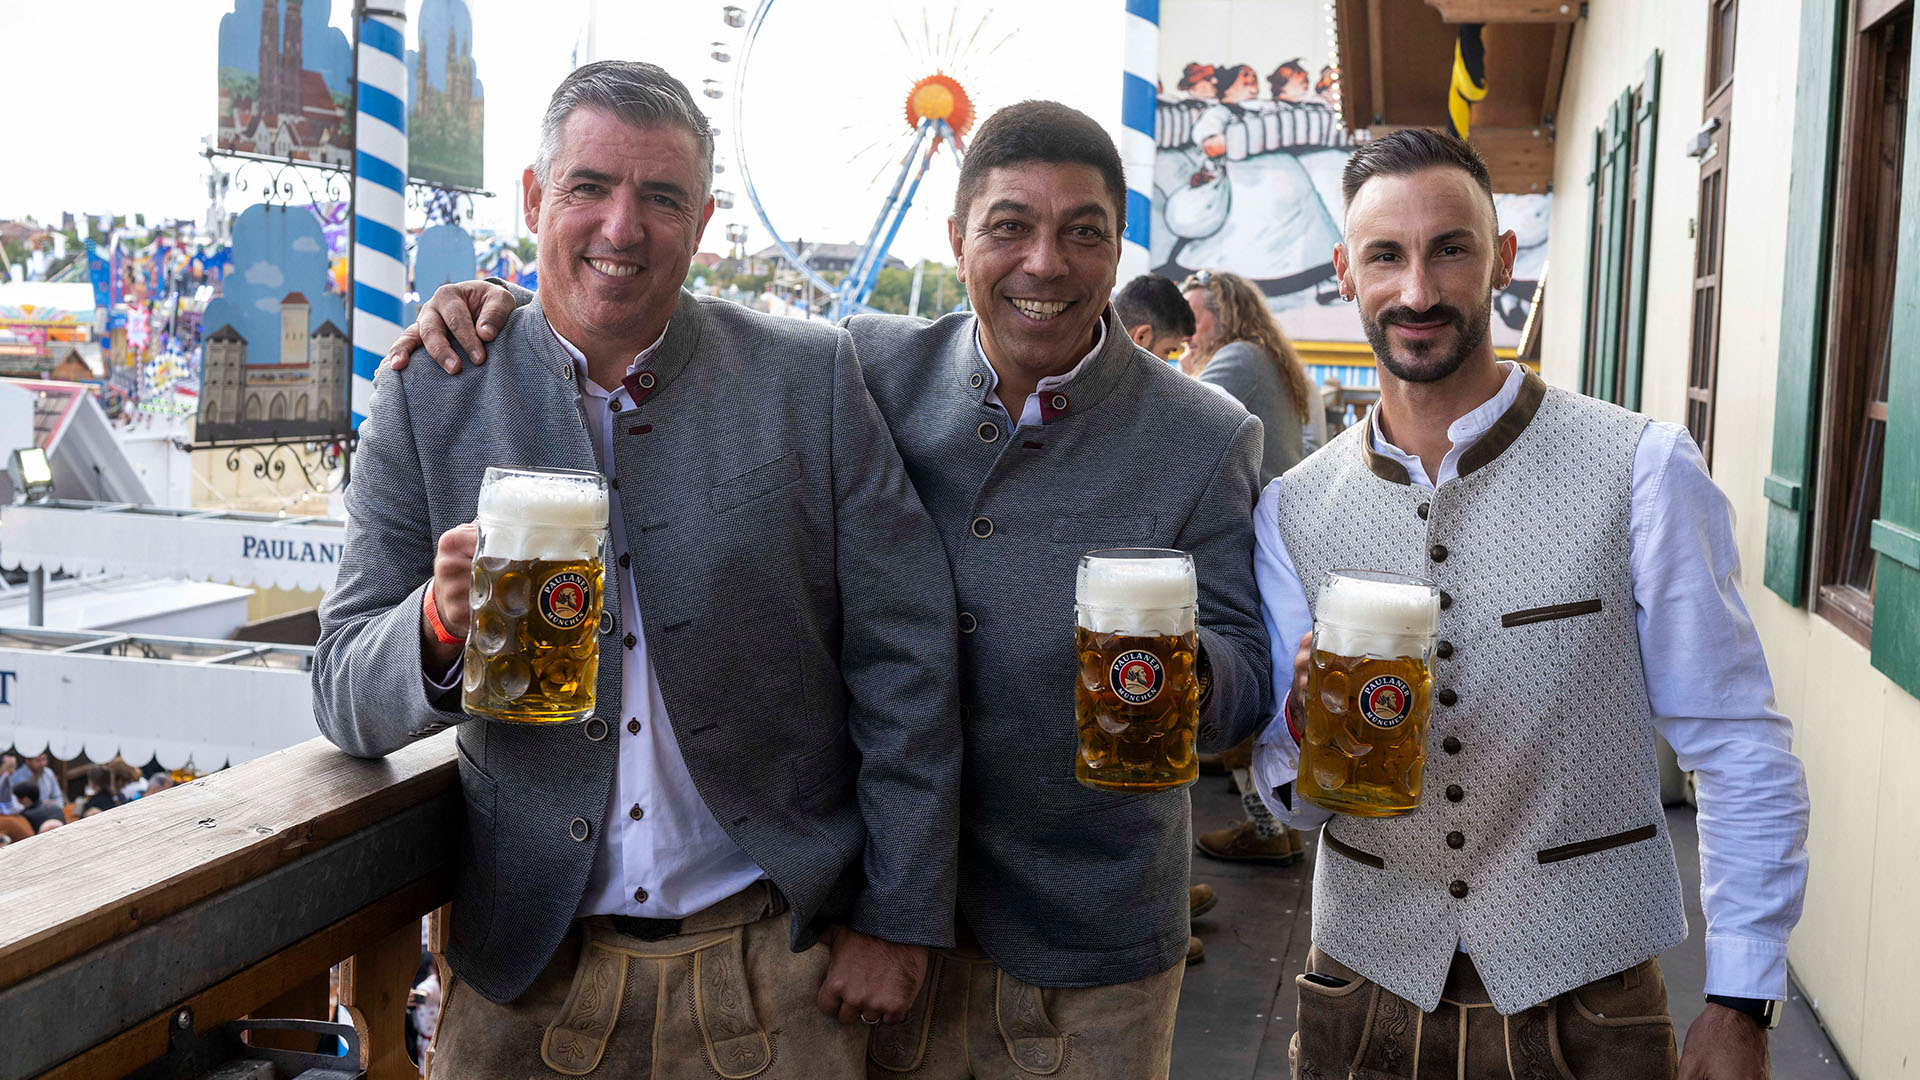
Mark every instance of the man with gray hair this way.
pixel 758 824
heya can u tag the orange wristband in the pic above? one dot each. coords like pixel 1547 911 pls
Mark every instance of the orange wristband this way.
pixel 433 620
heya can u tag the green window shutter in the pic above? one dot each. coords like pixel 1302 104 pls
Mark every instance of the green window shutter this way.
pixel 1619 125
pixel 1596 216
pixel 1896 535
pixel 1803 301
pixel 1636 330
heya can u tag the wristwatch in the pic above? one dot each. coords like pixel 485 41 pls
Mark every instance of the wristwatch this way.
pixel 1765 1010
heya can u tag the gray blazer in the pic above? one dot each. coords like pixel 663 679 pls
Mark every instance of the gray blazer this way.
pixel 796 605
pixel 1065 886
pixel 1244 370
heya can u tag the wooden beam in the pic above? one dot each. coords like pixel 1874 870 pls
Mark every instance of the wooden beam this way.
pixel 1556 71
pixel 166 852
pixel 1507 11
pixel 1520 160
pixel 373 987
pixel 1376 62
pixel 248 990
pixel 1356 66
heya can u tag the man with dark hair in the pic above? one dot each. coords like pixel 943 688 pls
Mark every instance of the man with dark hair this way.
pixel 1031 426
pixel 36 810
pixel 1589 598
pixel 1156 317
pixel 758 824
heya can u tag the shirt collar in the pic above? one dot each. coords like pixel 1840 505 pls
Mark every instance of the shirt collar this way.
pixel 587 385
pixel 1051 382
pixel 1463 432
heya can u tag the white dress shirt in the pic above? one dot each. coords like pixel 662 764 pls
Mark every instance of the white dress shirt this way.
pixel 1030 412
pixel 659 841
pixel 1707 684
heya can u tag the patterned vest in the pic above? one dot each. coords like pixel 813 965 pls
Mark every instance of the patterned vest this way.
pixel 1540 842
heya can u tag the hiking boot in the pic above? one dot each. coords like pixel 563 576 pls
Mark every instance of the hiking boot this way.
pixel 1196 952
pixel 1200 900
pixel 1242 843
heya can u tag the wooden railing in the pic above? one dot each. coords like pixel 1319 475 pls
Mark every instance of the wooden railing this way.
pixel 130 940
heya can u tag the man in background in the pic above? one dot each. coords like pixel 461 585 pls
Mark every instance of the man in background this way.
pixel 1156 317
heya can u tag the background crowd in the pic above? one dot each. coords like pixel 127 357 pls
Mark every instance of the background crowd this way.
pixel 34 799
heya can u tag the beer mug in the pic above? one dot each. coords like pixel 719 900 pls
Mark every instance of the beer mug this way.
pixel 1136 699
pixel 1369 693
pixel 533 648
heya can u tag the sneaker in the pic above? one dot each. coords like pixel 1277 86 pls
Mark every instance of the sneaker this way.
pixel 1242 843
pixel 1196 952
pixel 1200 900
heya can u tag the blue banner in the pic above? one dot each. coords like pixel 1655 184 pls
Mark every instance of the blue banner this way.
pixel 100 274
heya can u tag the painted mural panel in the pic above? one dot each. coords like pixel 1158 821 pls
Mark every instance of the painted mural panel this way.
pixel 285 86
pixel 1250 146
pixel 274 353
pixel 444 97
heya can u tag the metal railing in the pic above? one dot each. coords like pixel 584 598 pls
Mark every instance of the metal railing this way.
pixel 137 942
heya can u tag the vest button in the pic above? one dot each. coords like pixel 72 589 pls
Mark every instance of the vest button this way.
pixel 1446 599
pixel 989 433
pixel 1438 553
pixel 982 527
pixel 1450 744
pixel 968 623
pixel 1458 889
pixel 579 830
pixel 1422 511
pixel 606 622
pixel 596 730
pixel 640 895
pixel 1448 697
pixel 975 380
pixel 1456 840
pixel 1059 403
pixel 1444 650
pixel 1454 793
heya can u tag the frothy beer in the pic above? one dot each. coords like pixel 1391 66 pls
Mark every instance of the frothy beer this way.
pixel 1136 702
pixel 532 653
pixel 1369 693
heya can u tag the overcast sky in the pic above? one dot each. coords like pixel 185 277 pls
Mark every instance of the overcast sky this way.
pixel 110 100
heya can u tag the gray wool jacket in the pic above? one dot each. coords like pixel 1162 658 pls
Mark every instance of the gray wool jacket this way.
pixel 796 605
pixel 1245 371
pixel 1066 886
pixel 1062 885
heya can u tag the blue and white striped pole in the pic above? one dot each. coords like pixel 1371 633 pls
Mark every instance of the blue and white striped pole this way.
pixel 1137 104
pixel 379 265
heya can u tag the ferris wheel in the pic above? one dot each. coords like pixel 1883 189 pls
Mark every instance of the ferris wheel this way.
pixel 910 105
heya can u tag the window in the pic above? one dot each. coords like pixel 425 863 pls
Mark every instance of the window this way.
pixel 1860 346
pixel 1620 224
pixel 1710 223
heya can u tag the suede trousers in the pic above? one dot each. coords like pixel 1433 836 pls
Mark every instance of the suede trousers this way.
pixel 725 997
pixel 1350 1028
pixel 974 1020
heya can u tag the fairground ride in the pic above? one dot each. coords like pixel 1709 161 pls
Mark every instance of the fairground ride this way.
pixel 938 109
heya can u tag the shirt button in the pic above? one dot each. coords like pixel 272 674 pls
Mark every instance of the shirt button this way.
pixel 1456 840
pixel 1448 697
pixel 1450 744
pixel 1446 599
pixel 640 895
pixel 579 829
pixel 633 727
pixel 613 406
pixel 624 560
pixel 613 482
pixel 628 641
pixel 982 527
pixel 1439 553
pixel 1458 889
pixel 1442 650
pixel 1454 793
pixel 968 623
pixel 989 432
pixel 1422 511
pixel 636 814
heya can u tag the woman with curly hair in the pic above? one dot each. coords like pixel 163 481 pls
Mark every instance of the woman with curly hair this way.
pixel 1242 351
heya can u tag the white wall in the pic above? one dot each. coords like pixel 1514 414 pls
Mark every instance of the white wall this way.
pixel 1856 951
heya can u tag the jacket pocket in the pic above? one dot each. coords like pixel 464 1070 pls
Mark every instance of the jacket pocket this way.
pixel 1588 847
pixel 1342 847
pixel 1550 612
pixel 755 482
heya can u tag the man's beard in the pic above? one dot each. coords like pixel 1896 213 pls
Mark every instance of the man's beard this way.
pixel 1469 332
